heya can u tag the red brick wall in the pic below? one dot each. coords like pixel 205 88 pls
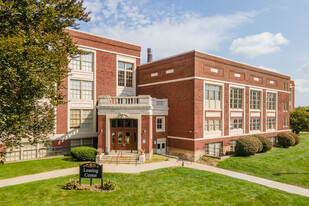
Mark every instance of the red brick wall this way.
pixel 62 112
pixel 104 43
pixel 181 105
pixel 61 144
pixel 247 108
pixel 102 135
pixel 146 126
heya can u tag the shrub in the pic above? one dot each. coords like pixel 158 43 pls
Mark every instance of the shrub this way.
pixel 267 144
pixel 296 137
pixel 73 185
pixel 84 153
pixel 248 145
pixel 285 140
pixel 109 185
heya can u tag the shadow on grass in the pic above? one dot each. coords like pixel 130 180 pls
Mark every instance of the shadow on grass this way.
pixel 290 173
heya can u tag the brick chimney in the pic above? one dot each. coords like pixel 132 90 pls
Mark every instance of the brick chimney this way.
pixel 149 55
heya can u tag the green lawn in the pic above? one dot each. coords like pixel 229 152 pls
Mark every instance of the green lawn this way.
pixel 171 186
pixel 35 166
pixel 284 165
pixel 157 158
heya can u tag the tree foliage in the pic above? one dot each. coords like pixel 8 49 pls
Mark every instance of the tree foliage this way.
pixel 34 52
pixel 299 119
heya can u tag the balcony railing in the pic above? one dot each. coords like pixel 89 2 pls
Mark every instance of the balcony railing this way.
pixel 141 100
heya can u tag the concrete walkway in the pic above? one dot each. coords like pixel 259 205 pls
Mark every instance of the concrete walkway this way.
pixel 268 183
pixel 110 168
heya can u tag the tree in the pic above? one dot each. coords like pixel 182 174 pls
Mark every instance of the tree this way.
pixel 34 53
pixel 299 119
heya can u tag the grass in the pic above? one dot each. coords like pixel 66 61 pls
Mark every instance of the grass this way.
pixel 170 186
pixel 289 166
pixel 16 169
pixel 157 158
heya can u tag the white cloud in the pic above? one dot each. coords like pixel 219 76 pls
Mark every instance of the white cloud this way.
pixel 270 69
pixel 304 68
pixel 302 85
pixel 95 7
pixel 165 28
pixel 259 44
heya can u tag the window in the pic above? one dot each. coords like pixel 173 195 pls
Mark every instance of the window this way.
pixel 290 102
pixel 236 98
pixel 125 74
pixel 81 142
pixel 213 96
pixel 83 62
pixel 81 89
pixel 273 140
pixel 212 125
pixel 81 118
pixel 271 123
pixel 232 145
pixel 285 122
pixel 214 149
pixel 160 124
pixel 255 124
pixel 235 124
pixel 271 101
pixel 255 99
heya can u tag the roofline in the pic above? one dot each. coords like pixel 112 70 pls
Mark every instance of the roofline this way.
pixel 104 37
pixel 241 63
pixel 277 73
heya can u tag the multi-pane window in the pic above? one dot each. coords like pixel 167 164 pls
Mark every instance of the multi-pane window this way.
pixel 273 140
pixel 213 96
pixel 255 124
pixel 214 149
pixel 236 98
pixel 285 106
pixel 255 99
pixel 81 118
pixel 232 145
pixel 271 101
pixel 236 124
pixel 83 62
pixel 81 89
pixel 271 123
pixel 160 124
pixel 290 100
pixel 125 74
pixel 285 122
pixel 212 125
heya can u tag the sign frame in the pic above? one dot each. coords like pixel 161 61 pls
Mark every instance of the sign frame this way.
pixel 91 171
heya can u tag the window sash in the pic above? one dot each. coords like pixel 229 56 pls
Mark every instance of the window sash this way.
pixel 125 74
pixel 255 124
pixel 212 125
pixel 236 124
pixel 255 99
pixel 236 98
pixel 271 123
pixel 82 62
pixel 81 89
pixel 81 118
pixel 271 101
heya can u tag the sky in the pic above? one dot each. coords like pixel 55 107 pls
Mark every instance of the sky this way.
pixel 273 35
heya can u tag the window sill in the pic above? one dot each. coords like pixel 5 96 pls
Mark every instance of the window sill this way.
pixel 160 130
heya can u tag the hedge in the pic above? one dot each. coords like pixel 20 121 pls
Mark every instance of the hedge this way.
pixel 84 153
pixel 248 145
pixel 267 144
pixel 285 140
pixel 296 137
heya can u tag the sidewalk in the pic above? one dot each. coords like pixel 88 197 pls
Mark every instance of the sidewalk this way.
pixel 110 168
pixel 268 183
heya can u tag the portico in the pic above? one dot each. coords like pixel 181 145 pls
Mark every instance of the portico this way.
pixel 128 122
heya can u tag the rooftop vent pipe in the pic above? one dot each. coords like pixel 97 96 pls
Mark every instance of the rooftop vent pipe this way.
pixel 149 55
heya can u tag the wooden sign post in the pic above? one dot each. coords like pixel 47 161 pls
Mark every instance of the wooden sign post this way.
pixel 91 170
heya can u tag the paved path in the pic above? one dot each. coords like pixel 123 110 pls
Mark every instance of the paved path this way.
pixel 110 168
pixel 268 183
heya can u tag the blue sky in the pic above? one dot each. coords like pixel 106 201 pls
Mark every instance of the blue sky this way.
pixel 272 34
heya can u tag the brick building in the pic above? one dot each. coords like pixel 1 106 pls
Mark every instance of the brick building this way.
pixel 189 105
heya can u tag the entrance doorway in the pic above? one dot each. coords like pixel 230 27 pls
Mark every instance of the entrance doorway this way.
pixel 123 134
pixel 161 146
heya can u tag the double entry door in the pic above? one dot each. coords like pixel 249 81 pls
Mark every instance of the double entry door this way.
pixel 123 134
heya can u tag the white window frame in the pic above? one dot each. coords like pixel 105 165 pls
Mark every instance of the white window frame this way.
pixel 82 119
pixel 216 102
pixel 271 103
pixel 232 145
pixel 125 70
pixel 237 123
pixel 258 102
pixel 214 123
pixel 162 129
pixel 271 121
pixel 255 123
pixel 239 106
pixel 214 149
pixel 81 89
pixel 81 61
